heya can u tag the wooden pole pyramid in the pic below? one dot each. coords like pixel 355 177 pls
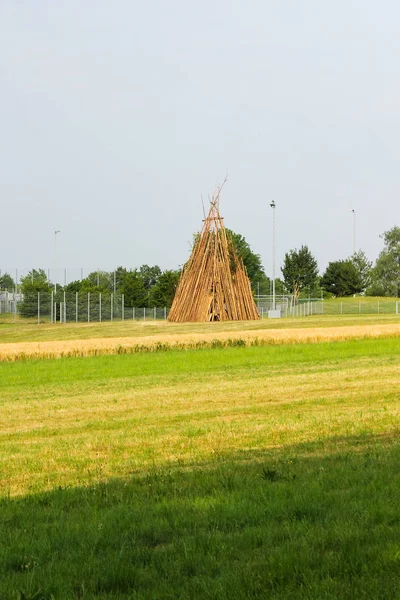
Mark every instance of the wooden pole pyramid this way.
pixel 214 285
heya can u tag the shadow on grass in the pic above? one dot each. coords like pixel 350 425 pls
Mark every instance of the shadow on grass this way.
pixel 310 521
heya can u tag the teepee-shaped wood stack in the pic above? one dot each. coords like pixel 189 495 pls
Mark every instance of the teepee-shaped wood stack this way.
pixel 213 285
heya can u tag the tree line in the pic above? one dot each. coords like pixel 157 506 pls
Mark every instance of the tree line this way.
pixel 353 275
pixel 149 286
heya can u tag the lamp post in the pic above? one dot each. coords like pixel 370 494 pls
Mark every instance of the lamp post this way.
pixel 54 259
pixel 272 205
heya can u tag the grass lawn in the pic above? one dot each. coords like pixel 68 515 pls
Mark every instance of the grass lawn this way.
pixel 256 472
pixel 29 331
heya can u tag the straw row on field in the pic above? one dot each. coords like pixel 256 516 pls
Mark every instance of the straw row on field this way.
pixel 157 343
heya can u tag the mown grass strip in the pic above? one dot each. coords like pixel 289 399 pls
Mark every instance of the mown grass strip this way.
pixel 318 528
pixel 177 361
pixel 261 472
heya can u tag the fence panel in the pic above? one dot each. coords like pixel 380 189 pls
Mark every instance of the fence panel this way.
pixel 97 307
pixel 72 307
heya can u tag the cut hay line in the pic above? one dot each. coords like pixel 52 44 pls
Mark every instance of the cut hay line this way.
pixel 160 343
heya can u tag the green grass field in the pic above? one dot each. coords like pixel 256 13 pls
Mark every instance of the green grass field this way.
pixel 361 305
pixel 257 472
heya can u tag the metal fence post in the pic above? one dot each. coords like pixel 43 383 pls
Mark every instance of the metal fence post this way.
pixel 100 307
pixel 38 308
pixel 51 306
pixel 112 307
pixel 65 306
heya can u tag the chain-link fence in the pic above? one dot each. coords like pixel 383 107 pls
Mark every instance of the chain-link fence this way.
pixel 287 307
pixel 364 306
pixel 317 306
pixel 75 307
pixel 83 307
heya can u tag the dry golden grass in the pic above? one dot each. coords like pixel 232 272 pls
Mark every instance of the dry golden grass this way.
pixel 91 429
pixel 162 341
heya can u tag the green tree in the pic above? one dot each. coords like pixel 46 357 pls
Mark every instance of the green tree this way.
pixel 120 274
pixel 364 268
pixel 74 286
pixel 135 294
pixel 279 286
pixel 386 274
pixel 341 278
pixel 300 271
pixel 97 281
pixel 262 285
pixel 149 275
pixel 35 281
pixel 251 261
pixel 7 282
pixel 162 294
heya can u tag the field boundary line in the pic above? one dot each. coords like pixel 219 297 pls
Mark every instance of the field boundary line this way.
pixel 157 343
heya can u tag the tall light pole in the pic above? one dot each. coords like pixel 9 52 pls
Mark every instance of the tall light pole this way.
pixel 272 205
pixel 54 259
pixel 354 230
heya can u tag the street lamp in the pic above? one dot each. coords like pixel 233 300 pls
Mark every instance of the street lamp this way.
pixel 272 205
pixel 54 259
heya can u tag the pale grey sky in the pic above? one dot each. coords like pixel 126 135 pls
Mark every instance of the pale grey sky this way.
pixel 116 116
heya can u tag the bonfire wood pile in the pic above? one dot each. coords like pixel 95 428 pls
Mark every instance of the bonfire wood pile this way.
pixel 214 285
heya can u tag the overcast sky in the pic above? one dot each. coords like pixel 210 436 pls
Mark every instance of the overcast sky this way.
pixel 116 116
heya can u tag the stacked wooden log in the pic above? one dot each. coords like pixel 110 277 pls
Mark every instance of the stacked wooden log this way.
pixel 214 285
